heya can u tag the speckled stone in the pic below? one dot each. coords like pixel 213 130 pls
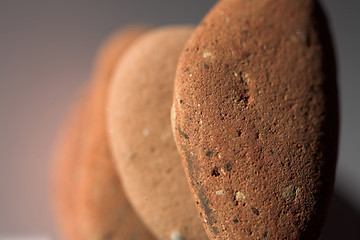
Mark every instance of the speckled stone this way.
pixel 89 200
pixel 141 137
pixel 255 118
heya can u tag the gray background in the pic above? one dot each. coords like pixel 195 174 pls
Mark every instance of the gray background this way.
pixel 46 54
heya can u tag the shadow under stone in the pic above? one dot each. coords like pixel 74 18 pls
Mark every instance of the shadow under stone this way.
pixel 343 221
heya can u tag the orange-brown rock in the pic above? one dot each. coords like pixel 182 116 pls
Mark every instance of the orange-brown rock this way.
pixel 256 119
pixel 141 138
pixel 89 199
pixel 66 155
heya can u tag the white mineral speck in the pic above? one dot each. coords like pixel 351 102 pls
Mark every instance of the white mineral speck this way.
pixel 176 236
pixel 146 132
pixel 206 54
pixel 129 154
pixel 301 35
pixel 239 196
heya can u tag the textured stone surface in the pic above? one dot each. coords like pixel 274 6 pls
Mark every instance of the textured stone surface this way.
pixel 89 199
pixel 141 138
pixel 255 119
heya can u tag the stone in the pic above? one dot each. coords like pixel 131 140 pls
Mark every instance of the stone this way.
pixel 256 87
pixel 89 201
pixel 140 98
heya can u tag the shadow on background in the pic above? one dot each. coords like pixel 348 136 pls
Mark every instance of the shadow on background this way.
pixel 343 221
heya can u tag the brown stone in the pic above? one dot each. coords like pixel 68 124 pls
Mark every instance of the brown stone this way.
pixel 256 117
pixel 65 169
pixel 141 138
pixel 89 200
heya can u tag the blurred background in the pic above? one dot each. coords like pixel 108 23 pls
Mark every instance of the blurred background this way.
pixel 47 49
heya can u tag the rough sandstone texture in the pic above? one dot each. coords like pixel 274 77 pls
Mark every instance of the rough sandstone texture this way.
pixel 89 200
pixel 256 119
pixel 141 138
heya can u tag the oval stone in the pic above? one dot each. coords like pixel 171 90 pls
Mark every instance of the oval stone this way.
pixel 141 138
pixel 89 200
pixel 255 119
